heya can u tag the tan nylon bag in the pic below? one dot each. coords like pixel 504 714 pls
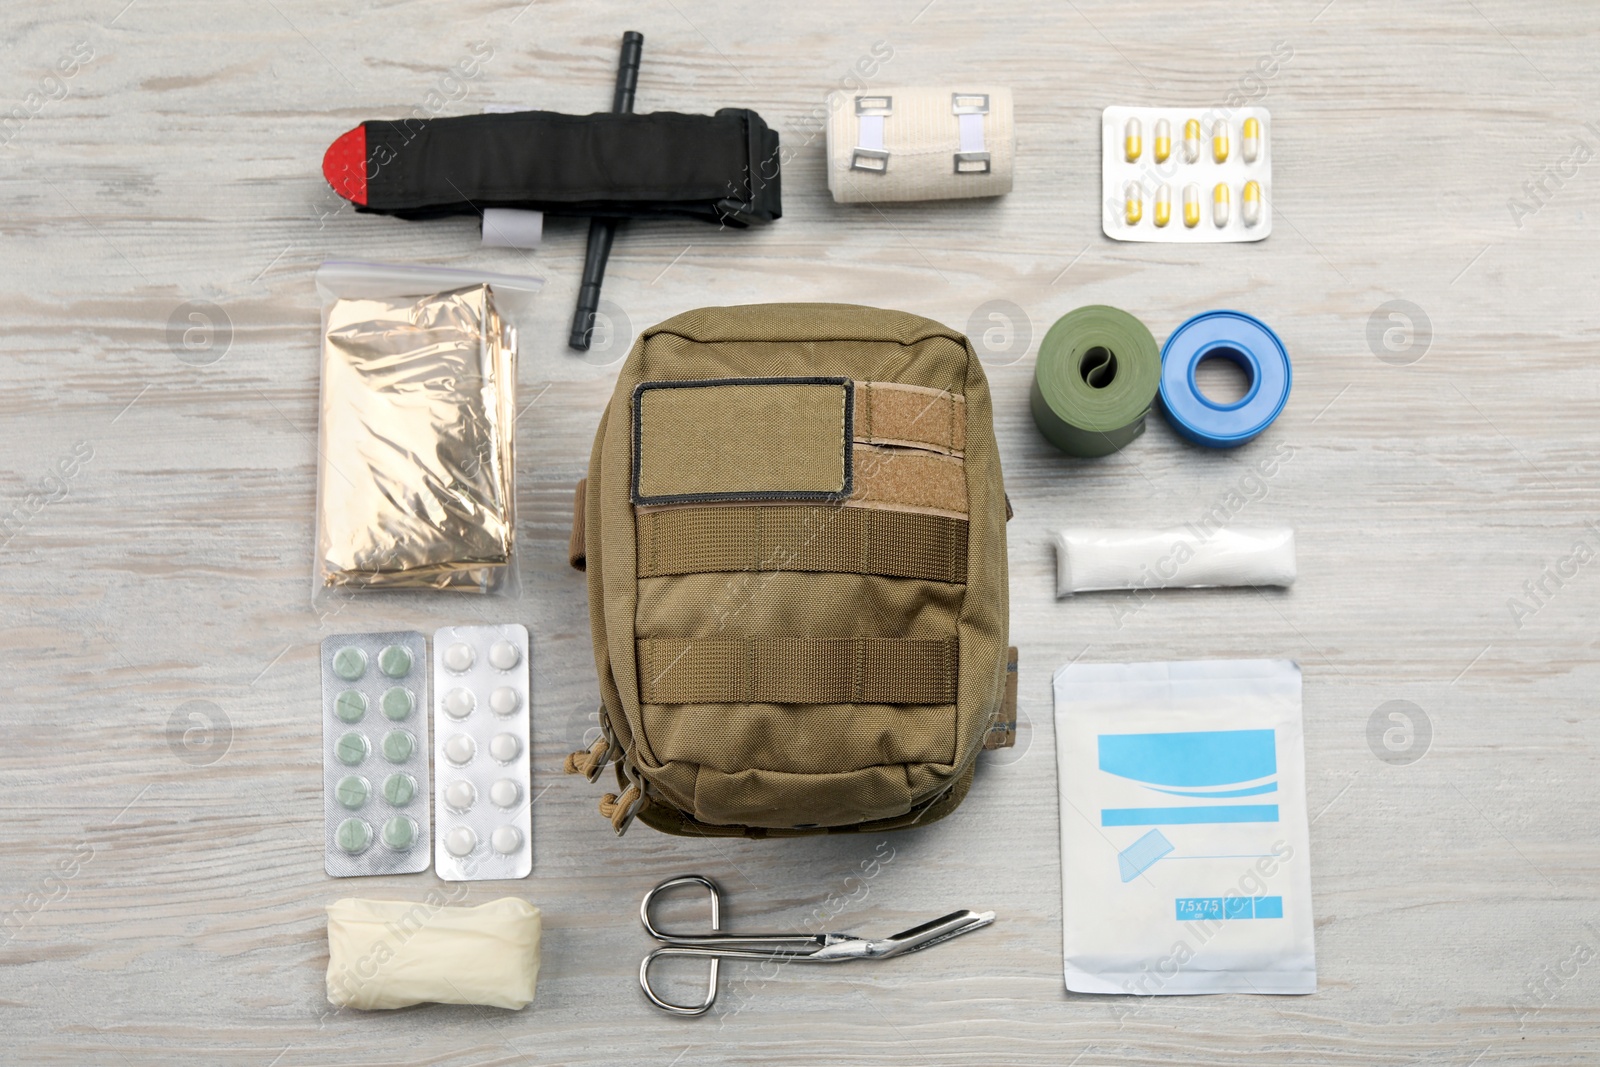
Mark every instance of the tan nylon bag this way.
pixel 794 532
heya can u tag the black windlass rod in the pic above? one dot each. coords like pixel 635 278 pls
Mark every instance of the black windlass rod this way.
pixel 603 231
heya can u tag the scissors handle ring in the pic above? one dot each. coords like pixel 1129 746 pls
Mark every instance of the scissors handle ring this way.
pixel 715 892
pixel 667 1005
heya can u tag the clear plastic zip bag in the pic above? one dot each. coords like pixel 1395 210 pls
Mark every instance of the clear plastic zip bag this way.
pixel 416 430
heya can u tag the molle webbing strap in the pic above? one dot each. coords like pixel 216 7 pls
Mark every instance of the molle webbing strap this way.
pixel 704 540
pixel 797 670
pixel 910 415
pixel 721 168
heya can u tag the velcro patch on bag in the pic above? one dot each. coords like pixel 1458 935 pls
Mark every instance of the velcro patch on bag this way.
pixel 737 439
pixel 889 413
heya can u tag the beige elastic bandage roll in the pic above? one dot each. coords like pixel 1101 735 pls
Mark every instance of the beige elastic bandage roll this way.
pixel 920 143
pixel 394 953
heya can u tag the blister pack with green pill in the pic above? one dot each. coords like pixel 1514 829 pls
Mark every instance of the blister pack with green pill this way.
pixel 375 787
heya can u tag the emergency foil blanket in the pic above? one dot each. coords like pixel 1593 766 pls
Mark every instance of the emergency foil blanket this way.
pixel 415 462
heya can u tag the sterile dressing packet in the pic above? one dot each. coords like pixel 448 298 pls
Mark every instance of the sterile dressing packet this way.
pixel 1185 858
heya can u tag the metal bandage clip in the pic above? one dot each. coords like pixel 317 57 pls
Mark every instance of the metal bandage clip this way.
pixel 785 948
pixel 869 154
pixel 970 109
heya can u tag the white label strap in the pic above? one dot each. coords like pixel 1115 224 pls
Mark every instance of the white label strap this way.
pixel 970 109
pixel 869 154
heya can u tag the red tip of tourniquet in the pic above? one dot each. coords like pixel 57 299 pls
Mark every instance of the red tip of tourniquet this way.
pixel 345 165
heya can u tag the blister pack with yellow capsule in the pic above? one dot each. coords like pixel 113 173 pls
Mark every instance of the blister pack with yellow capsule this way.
pixel 1186 175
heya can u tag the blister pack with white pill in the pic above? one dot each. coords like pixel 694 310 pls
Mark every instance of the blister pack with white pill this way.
pixel 375 784
pixel 1196 175
pixel 481 731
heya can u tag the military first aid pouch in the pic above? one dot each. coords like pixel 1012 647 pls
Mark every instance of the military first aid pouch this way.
pixel 1185 857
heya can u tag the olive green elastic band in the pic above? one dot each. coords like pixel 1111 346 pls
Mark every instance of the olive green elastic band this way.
pixel 1098 372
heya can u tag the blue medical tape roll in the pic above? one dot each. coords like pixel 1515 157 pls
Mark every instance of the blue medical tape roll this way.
pixel 1248 342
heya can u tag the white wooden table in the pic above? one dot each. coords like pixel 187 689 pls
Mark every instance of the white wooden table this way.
pixel 162 888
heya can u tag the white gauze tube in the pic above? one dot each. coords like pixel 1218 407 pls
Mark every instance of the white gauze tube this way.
pixel 1179 558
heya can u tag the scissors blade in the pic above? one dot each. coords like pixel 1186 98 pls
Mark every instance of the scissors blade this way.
pixel 918 937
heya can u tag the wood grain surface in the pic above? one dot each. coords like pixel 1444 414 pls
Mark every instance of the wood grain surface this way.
pixel 162 891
